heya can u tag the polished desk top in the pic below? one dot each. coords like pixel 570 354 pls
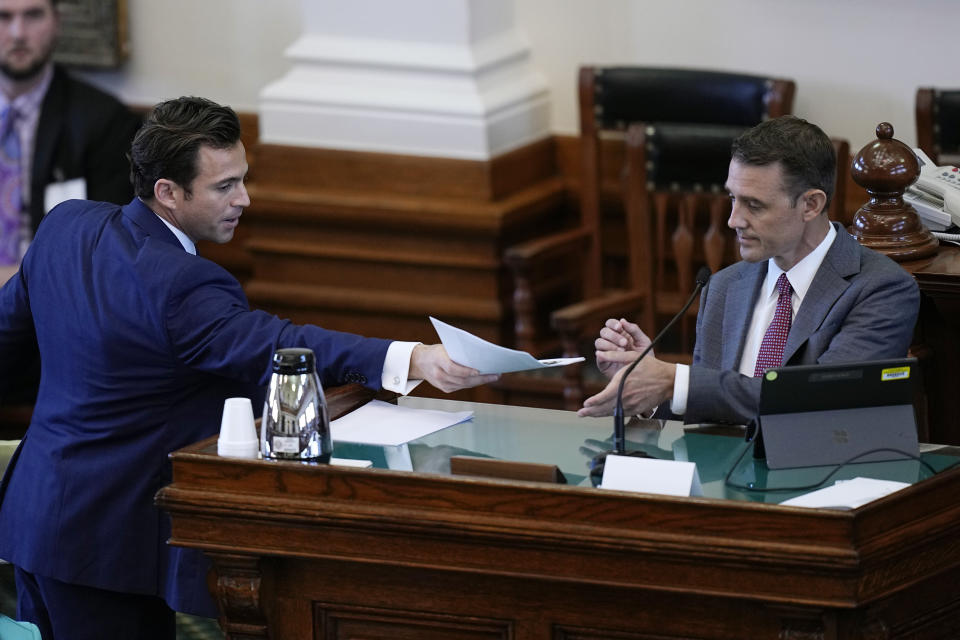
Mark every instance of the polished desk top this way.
pixel 563 439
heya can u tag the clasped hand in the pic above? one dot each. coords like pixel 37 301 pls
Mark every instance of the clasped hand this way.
pixel 619 344
pixel 649 384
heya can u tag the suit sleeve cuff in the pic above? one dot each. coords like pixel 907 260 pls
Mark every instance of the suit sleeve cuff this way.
pixel 681 387
pixel 396 368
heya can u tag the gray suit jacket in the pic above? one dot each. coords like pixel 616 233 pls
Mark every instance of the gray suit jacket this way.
pixel 861 306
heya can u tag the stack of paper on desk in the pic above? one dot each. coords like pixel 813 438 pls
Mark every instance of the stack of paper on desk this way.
pixel 486 357
pixel 847 494
pixel 381 423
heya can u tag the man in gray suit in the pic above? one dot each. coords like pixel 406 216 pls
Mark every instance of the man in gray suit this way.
pixel 836 301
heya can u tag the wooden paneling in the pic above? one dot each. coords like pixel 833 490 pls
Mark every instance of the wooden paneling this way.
pixel 374 243
pixel 295 168
pixel 339 622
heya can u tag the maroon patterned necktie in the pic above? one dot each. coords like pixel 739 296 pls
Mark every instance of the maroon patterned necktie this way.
pixel 10 200
pixel 775 339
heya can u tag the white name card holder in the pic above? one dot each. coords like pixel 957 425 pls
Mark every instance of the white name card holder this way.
pixel 650 475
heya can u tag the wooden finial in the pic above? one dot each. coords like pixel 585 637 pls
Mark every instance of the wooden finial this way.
pixel 885 168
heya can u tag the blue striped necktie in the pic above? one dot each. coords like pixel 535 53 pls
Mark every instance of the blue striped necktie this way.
pixel 10 199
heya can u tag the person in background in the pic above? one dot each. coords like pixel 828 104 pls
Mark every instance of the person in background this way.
pixel 141 342
pixel 806 291
pixel 59 137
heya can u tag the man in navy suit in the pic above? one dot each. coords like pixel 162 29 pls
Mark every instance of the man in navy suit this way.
pixel 848 303
pixel 141 341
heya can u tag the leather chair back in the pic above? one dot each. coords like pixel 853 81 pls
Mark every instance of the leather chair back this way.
pixel 629 94
pixel 694 115
pixel 688 157
pixel 938 124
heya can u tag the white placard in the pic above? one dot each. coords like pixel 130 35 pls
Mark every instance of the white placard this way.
pixel 650 475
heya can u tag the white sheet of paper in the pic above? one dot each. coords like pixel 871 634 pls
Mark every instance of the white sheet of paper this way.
pixel 469 350
pixel 649 475
pixel 57 192
pixel 382 423
pixel 349 462
pixel 847 494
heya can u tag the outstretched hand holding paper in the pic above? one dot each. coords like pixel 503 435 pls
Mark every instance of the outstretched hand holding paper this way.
pixel 486 357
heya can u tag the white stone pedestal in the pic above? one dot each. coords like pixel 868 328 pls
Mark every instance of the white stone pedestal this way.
pixel 447 78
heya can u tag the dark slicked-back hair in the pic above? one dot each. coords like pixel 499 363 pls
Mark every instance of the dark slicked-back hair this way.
pixel 802 149
pixel 167 145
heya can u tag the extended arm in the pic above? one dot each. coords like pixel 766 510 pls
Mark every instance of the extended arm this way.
pixel 212 329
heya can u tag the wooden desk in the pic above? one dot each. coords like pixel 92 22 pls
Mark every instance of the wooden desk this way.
pixel 330 552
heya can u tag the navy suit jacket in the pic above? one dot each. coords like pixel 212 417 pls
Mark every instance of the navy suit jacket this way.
pixel 82 133
pixel 860 306
pixel 141 342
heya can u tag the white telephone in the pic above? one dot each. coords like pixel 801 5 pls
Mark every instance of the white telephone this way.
pixel 936 194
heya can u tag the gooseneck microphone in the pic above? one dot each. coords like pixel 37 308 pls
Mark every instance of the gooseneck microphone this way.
pixel 619 430
pixel 619 437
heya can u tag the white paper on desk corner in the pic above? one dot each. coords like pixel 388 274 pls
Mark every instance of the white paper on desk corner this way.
pixel 469 350
pixel 847 494
pixel 382 423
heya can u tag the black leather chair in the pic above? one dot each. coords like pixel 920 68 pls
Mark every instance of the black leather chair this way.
pixel 938 124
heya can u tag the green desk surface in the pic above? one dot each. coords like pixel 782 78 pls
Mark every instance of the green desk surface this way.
pixel 563 439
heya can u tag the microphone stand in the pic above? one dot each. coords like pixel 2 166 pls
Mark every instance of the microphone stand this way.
pixel 619 429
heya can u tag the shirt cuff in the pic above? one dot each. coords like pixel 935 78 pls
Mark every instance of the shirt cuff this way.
pixel 396 368
pixel 681 386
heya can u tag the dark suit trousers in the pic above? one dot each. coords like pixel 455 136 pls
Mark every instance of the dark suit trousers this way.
pixel 73 612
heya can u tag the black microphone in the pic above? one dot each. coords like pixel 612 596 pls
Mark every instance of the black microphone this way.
pixel 619 430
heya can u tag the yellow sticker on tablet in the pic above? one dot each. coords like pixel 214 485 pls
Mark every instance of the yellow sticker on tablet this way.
pixel 894 373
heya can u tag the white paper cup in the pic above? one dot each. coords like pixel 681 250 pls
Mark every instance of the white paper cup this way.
pixel 238 435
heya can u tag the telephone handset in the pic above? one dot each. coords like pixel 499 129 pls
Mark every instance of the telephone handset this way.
pixel 936 194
